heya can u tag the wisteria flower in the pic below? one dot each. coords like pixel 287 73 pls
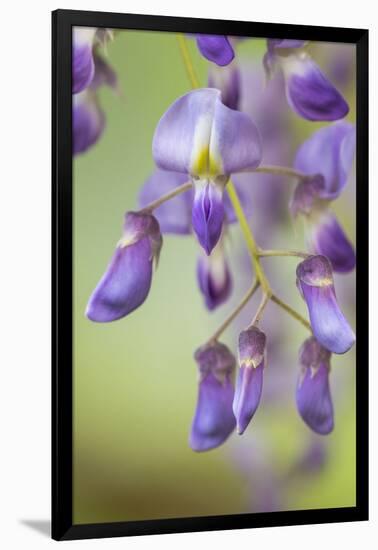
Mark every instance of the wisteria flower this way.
pixel 88 118
pixel 127 280
pixel 214 420
pixel 214 277
pixel 330 328
pixel 249 382
pixel 201 137
pixel 215 48
pixel 329 154
pixel 313 394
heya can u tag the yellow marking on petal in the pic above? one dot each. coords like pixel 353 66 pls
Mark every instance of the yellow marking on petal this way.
pixel 126 240
pixel 205 165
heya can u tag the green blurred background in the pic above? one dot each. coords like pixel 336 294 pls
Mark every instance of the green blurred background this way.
pixel 135 382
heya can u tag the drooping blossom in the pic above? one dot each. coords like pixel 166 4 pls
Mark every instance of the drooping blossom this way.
pixel 82 58
pixel 313 393
pixel 309 92
pixel 127 280
pixel 88 118
pixel 327 155
pixel 214 277
pixel 216 48
pixel 251 349
pixel 330 327
pixel 213 420
pixel 201 137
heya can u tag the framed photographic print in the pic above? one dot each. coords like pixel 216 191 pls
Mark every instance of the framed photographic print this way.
pixel 210 275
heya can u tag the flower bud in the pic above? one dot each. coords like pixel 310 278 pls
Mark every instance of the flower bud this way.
pixel 213 420
pixel 315 282
pixel 214 279
pixel 249 383
pixel 313 394
pixel 127 280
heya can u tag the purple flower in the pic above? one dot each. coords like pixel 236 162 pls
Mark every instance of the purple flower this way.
pixel 201 137
pixel 88 119
pixel 127 280
pixel 326 237
pixel 249 383
pixel 330 328
pixel 309 93
pixel 227 80
pixel 313 394
pixel 329 153
pixel 82 58
pixel 215 48
pixel 213 420
pixel 214 279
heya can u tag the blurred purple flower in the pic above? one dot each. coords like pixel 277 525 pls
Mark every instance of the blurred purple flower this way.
pixel 213 420
pixel 215 48
pixel 214 278
pixel 201 137
pixel 315 282
pixel 127 280
pixel 313 395
pixel 329 154
pixel 309 92
pixel 88 118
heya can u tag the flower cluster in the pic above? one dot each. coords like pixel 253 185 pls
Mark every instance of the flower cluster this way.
pixel 202 146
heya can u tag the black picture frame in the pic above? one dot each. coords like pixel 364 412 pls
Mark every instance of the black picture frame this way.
pixel 62 479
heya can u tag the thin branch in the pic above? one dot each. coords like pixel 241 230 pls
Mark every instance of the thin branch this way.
pixel 291 311
pixel 235 312
pixel 187 61
pixel 168 196
pixel 295 253
pixel 264 300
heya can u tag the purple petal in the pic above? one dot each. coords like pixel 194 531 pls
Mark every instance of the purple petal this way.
pixel 310 94
pixel 125 284
pixel 215 48
pixel 214 279
pixel 174 216
pixel 88 121
pixel 329 325
pixel 214 420
pixel 252 343
pixel 247 394
pixel 104 74
pixel 227 80
pixel 82 58
pixel 314 400
pixel 330 152
pixel 327 238
pixel 127 280
pixel 207 213
pixel 198 135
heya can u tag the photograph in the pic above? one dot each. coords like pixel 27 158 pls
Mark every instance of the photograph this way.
pixel 214 275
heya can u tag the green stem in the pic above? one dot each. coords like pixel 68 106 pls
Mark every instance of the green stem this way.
pixel 187 61
pixel 296 253
pixel 280 171
pixel 248 236
pixel 235 312
pixel 168 196
pixel 260 310
pixel 291 311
